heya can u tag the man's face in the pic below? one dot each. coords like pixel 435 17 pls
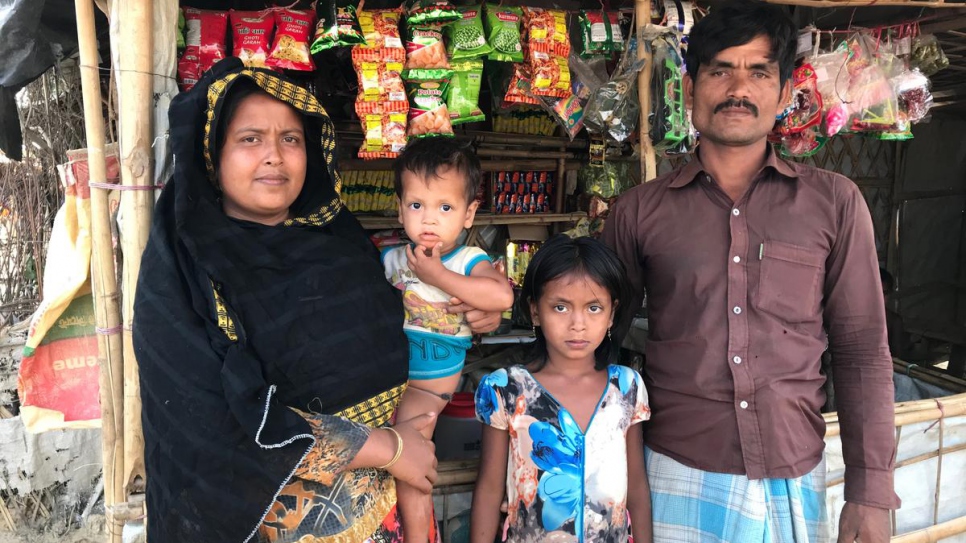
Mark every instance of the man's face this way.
pixel 735 97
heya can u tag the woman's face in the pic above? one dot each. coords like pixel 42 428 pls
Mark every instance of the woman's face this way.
pixel 261 167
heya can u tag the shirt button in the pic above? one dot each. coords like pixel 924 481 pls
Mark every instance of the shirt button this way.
pixel 737 310
pixel 737 360
pixel 743 405
pixel 737 259
pixel 735 212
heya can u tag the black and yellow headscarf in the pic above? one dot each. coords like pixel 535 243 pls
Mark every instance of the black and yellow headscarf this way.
pixel 301 317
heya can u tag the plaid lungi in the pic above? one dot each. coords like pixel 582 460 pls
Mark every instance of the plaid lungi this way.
pixel 694 506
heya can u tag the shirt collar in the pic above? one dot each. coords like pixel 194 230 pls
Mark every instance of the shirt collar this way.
pixel 690 171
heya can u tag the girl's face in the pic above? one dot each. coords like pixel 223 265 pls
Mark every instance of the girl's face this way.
pixel 574 313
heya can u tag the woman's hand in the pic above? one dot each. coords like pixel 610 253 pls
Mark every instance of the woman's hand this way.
pixel 480 322
pixel 417 465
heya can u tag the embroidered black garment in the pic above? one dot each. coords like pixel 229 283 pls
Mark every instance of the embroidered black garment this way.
pixel 301 317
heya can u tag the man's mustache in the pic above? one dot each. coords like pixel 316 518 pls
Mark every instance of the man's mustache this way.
pixel 731 102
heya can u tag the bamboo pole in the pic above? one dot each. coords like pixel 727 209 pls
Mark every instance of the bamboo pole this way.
pixel 930 375
pixel 135 100
pixel 866 3
pixel 523 153
pixel 103 274
pixel 934 533
pixel 913 412
pixel 642 15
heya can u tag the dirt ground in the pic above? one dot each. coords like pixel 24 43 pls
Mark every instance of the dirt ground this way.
pixel 91 532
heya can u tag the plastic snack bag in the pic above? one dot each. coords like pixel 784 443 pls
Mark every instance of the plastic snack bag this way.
pixel 912 91
pixel 251 36
pixel 464 92
pixel 180 37
pixel 425 49
pixel 291 48
pixel 600 33
pixel 380 74
pixel 928 55
pixel 380 28
pixel 337 27
pixel 567 112
pixel 430 12
pixel 383 128
pixel 831 83
pixel 428 114
pixel 466 37
pixel 503 33
pixel 206 35
pixel 806 102
pixel 518 89
pixel 669 122
pixel 872 100
pixel 547 31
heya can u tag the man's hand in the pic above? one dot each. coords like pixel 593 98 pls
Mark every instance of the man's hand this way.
pixel 863 523
pixel 480 322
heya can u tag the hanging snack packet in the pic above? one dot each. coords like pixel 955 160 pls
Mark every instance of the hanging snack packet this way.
pixel 380 28
pixel 503 33
pixel 251 33
pixel 551 75
pixel 380 74
pixel 567 112
pixel 425 49
pixel 466 37
pixel 518 91
pixel 383 128
pixel 344 32
pixel 291 48
pixel 806 102
pixel 547 31
pixel 600 33
pixel 206 35
pixel 464 92
pixel 189 70
pixel 430 12
pixel 428 114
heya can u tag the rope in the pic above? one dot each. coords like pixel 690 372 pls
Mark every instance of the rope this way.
pixel 108 331
pixel 909 367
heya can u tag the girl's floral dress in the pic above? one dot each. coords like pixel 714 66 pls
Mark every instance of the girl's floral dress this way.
pixel 564 484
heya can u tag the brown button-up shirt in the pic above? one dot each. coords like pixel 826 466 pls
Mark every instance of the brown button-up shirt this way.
pixel 743 298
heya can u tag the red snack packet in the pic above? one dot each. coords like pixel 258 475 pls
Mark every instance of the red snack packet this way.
pixel 189 70
pixel 206 34
pixel 292 33
pixel 251 33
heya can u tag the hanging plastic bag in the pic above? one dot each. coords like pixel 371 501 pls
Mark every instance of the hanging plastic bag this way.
pixel 425 49
pixel 613 109
pixel 928 55
pixel 337 27
pixel 430 12
pixel 428 114
pixel 832 84
pixel 380 28
pixel 872 101
pixel 291 48
pixel 912 91
pixel 467 37
pixel 464 92
pixel 251 33
pixel 503 33
pixel 600 33
pixel 669 125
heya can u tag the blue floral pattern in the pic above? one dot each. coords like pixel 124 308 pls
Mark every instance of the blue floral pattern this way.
pixel 554 486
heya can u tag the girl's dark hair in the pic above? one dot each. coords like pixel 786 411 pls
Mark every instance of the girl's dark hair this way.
pixel 737 22
pixel 561 256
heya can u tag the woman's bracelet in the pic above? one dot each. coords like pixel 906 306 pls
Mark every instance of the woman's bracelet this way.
pixel 399 449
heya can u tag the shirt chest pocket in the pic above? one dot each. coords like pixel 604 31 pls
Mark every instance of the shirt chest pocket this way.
pixel 790 282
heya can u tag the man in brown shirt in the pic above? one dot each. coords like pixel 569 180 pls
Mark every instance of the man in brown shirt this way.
pixel 752 265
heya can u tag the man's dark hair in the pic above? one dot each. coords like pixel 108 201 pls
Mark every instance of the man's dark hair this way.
pixel 737 22
pixel 426 157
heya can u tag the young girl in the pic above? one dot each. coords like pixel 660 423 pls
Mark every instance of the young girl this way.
pixel 561 436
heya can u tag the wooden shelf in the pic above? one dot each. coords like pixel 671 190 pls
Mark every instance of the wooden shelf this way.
pixel 372 222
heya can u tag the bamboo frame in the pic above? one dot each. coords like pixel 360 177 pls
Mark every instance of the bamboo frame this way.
pixel 930 375
pixel 934 533
pixel 135 99
pixel 103 274
pixel 912 412
pixel 932 4
pixel 642 14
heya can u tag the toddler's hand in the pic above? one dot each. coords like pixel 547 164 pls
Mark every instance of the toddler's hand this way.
pixel 426 262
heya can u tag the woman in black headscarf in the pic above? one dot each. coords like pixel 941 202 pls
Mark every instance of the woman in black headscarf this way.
pixel 269 343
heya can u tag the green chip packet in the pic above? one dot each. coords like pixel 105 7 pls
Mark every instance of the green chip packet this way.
pixel 464 92
pixel 503 33
pixel 466 38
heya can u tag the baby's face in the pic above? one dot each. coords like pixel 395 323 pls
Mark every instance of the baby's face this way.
pixel 434 210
